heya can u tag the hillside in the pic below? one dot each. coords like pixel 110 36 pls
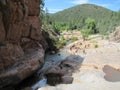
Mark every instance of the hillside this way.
pixel 75 17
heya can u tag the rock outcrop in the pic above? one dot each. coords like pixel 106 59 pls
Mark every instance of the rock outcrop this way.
pixel 22 44
pixel 116 35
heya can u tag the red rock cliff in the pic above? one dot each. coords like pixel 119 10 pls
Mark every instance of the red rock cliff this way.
pixel 21 40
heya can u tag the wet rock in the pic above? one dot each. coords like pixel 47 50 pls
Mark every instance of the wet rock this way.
pixel 67 79
pixel 54 78
pixel 61 72
pixel 71 63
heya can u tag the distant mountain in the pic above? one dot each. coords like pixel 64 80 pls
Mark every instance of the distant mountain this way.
pixel 105 19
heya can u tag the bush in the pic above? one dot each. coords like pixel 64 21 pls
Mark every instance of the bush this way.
pixel 106 37
pixel 61 43
pixel 96 46
pixel 85 33
pixel 74 38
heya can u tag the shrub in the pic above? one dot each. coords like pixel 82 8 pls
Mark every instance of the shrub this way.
pixel 61 43
pixel 96 46
pixel 74 38
pixel 85 33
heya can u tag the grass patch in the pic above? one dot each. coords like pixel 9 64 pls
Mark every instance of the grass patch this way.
pixel 74 38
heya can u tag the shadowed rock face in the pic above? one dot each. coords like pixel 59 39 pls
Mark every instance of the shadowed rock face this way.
pixel 22 44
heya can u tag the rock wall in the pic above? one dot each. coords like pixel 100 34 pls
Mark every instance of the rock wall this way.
pixel 22 44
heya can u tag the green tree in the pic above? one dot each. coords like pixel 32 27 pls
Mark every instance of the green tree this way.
pixel 119 14
pixel 91 25
pixel 47 16
pixel 41 9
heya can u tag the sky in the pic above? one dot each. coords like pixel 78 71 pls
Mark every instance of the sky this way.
pixel 54 6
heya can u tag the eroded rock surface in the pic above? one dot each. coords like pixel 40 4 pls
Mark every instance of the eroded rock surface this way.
pixel 22 44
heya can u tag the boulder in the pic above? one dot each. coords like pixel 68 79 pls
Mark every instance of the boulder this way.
pixel 9 54
pixel 72 62
pixel 27 65
pixel 67 79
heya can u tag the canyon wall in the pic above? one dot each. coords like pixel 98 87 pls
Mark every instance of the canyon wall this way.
pixel 22 44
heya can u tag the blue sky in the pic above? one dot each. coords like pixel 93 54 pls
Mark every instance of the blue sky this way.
pixel 58 5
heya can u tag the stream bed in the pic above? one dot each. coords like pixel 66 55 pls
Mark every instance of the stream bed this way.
pixel 61 55
pixel 34 82
pixel 110 74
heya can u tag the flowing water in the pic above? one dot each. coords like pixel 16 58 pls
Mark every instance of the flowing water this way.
pixel 41 83
pixel 51 57
pixel 58 56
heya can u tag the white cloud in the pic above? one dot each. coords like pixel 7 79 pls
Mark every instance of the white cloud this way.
pixel 52 10
pixel 79 1
pixel 104 5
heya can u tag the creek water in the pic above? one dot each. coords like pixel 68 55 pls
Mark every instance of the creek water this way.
pixel 69 42
pixel 111 74
pixel 61 55
pixel 57 57
pixel 40 83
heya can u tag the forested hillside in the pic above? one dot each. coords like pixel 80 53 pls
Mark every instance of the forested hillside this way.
pixel 105 20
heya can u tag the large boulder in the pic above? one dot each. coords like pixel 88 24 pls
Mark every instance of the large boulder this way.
pixel 9 55
pixel 22 44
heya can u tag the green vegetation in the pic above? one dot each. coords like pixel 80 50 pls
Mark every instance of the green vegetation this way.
pixel 57 43
pixel 62 42
pixel 86 16
pixel 96 46
pixel 85 33
pixel 91 25
pixel 74 38
pixel 106 36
